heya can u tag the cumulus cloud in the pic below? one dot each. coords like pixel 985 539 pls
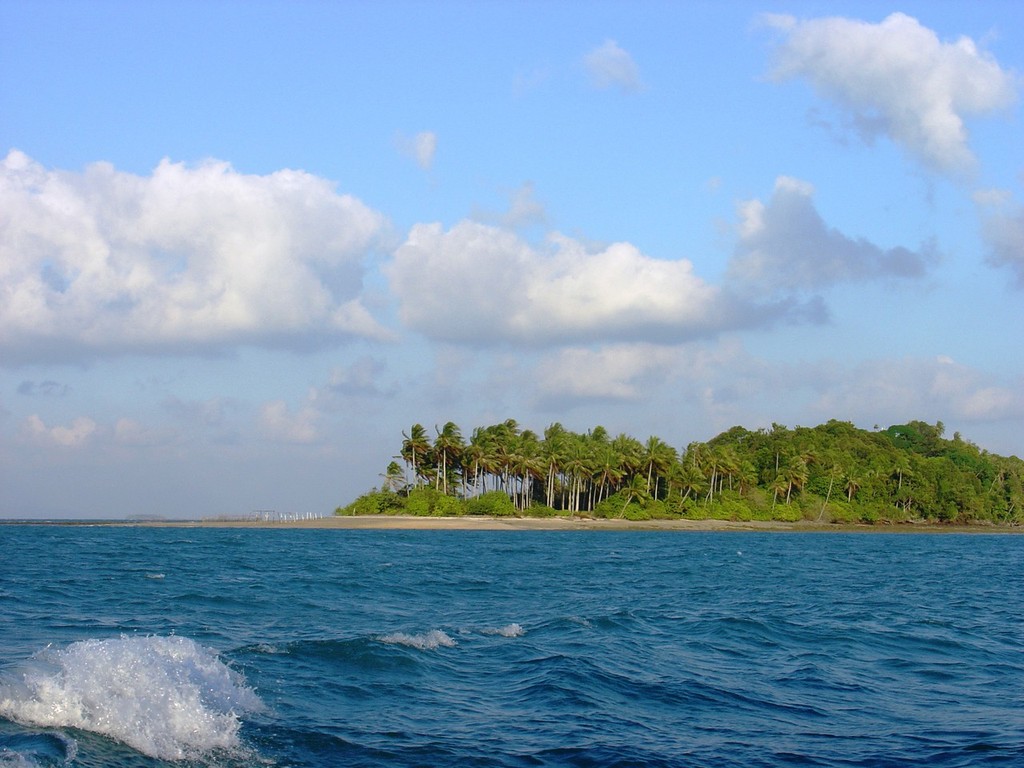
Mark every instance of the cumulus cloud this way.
pixel 785 245
pixel 281 424
pixel 894 390
pixel 74 435
pixel 524 211
pixel 1003 231
pixel 897 79
pixel 422 147
pixel 480 283
pixel 613 372
pixel 609 66
pixel 134 433
pixel 190 258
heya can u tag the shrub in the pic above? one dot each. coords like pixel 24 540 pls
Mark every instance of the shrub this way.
pixel 430 502
pixel 542 510
pixel 374 503
pixel 492 503
pixel 620 504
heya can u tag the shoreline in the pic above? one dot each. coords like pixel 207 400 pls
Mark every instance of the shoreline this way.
pixel 482 523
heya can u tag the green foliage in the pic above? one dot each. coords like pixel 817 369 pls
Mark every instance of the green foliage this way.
pixel 541 510
pixel 834 472
pixel 375 503
pixel 493 504
pixel 729 506
pixel 430 502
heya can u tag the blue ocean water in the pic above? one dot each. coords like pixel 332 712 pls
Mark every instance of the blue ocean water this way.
pixel 141 647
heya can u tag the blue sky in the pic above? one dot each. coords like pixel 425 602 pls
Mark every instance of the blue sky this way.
pixel 244 245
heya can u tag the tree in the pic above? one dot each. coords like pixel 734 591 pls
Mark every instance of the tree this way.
pixel 476 456
pixel 852 485
pixel 553 452
pixel 795 474
pixel 688 478
pixel 907 472
pixel 415 449
pixel 526 466
pixel 609 470
pixel 656 459
pixel 393 478
pixel 448 447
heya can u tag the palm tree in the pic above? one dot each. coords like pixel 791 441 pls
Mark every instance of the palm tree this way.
pixel 415 448
pixel 577 468
pixel 474 457
pixel 688 477
pixel 656 458
pixel 393 478
pixel 901 468
pixel 852 485
pixel 504 436
pixel 448 447
pixel 634 489
pixel 728 465
pixel 528 467
pixel 835 470
pixel 553 452
pixel 609 470
pixel 702 458
pixel 746 475
pixel 795 474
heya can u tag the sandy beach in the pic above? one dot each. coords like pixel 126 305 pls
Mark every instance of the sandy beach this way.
pixel 475 523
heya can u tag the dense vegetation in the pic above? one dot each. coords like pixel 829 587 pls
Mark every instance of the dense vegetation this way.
pixel 834 472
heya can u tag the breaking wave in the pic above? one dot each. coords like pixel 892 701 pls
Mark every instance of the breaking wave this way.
pixel 509 630
pixel 167 697
pixel 428 641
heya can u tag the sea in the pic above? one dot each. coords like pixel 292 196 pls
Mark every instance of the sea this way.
pixel 139 647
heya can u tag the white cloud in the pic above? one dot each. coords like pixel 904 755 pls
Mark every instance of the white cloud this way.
pixel 524 209
pixel 421 148
pixel 614 372
pixel 896 78
pixel 188 258
pixel 279 423
pixel 133 433
pixel 890 391
pixel 425 144
pixel 479 284
pixel 609 66
pixel 785 245
pixel 1003 231
pixel 991 197
pixel 74 435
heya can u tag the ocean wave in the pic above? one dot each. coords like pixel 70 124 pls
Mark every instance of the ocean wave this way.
pixel 166 697
pixel 428 641
pixel 37 750
pixel 509 630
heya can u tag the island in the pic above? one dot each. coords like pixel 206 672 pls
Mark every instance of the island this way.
pixel 831 475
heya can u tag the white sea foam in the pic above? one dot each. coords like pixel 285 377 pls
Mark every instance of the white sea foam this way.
pixel 509 630
pixel 167 697
pixel 428 641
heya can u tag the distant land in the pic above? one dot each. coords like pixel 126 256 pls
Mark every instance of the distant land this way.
pixel 832 474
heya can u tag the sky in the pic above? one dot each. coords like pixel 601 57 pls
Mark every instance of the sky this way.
pixel 244 245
